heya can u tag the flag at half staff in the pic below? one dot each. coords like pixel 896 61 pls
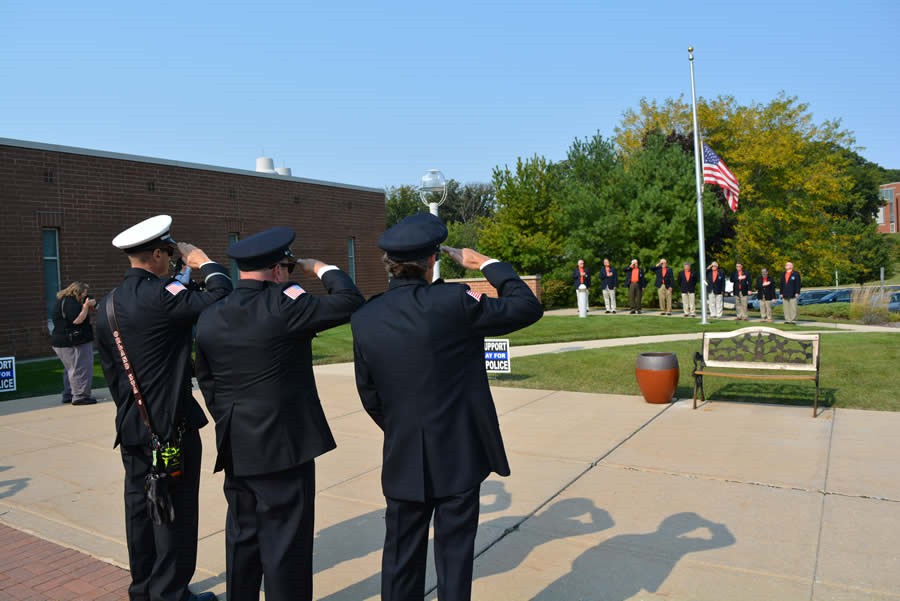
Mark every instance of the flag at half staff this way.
pixel 715 172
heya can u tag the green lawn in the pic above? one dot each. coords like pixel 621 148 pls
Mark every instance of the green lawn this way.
pixel 335 346
pixel 858 371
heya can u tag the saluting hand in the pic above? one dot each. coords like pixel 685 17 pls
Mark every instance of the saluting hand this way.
pixel 193 257
pixel 468 258
pixel 310 267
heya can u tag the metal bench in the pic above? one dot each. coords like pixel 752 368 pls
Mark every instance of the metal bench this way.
pixel 758 348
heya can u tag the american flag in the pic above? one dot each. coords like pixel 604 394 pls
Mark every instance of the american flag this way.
pixel 294 291
pixel 715 172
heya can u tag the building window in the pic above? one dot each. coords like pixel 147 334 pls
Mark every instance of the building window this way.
pixel 232 238
pixel 151 186
pixel 881 215
pixel 351 258
pixel 887 194
pixel 50 252
pixel 49 176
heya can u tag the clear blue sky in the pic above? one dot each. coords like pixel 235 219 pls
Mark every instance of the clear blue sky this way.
pixel 375 93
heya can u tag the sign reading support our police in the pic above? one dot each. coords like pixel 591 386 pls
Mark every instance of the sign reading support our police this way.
pixel 496 355
pixel 7 374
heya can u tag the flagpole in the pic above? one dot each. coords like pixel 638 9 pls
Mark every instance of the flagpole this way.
pixel 698 170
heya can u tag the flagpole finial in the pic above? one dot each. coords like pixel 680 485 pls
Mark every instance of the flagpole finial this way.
pixel 690 53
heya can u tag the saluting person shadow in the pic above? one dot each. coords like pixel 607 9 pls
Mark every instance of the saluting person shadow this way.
pixel 622 566
pixel 569 517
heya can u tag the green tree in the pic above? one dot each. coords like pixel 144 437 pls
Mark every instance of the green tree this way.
pixel 526 230
pixel 400 202
pixel 799 183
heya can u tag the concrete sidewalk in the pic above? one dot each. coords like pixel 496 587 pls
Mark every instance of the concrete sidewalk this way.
pixel 610 498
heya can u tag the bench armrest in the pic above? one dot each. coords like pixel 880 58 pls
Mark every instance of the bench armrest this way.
pixel 699 363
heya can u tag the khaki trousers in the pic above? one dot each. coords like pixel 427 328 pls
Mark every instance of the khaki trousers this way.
pixel 665 299
pixel 687 302
pixel 790 309
pixel 609 299
pixel 740 306
pixel 765 309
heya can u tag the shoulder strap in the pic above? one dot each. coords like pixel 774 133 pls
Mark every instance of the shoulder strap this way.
pixel 132 379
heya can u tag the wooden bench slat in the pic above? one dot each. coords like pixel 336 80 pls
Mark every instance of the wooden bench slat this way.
pixel 757 376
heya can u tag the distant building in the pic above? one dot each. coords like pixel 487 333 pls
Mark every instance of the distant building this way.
pixel 61 207
pixel 890 210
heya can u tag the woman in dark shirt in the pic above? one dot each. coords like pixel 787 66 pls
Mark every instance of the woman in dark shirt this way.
pixel 72 339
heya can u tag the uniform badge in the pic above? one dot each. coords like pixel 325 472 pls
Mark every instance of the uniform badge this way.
pixel 294 291
pixel 475 295
pixel 175 287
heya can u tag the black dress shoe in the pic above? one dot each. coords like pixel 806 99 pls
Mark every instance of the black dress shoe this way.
pixel 203 597
pixel 66 400
pixel 85 401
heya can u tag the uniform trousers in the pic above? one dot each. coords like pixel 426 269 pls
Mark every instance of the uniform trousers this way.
pixel 609 299
pixel 635 296
pixel 765 309
pixel 687 302
pixel 790 309
pixel 406 547
pixel 665 299
pixel 78 372
pixel 740 306
pixel 162 558
pixel 716 304
pixel 269 531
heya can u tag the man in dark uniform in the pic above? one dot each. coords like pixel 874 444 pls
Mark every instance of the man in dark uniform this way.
pixel 687 283
pixel 790 290
pixel 741 281
pixel 715 286
pixel 665 281
pixel 254 366
pixel 634 279
pixel 765 292
pixel 155 314
pixel 419 352
pixel 608 282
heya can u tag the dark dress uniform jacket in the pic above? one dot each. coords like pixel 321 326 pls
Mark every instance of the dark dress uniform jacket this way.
pixel 626 277
pixel 668 280
pixel 742 286
pixel 254 367
pixel 687 286
pixel 717 287
pixel 608 282
pixel 765 292
pixel 420 373
pixel 790 288
pixel 155 317
pixel 576 278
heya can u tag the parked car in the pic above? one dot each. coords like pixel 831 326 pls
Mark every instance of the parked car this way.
pixel 844 295
pixel 753 302
pixel 894 303
pixel 812 297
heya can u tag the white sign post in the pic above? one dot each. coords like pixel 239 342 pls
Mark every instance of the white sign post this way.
pixel 496 356
pixel 7 374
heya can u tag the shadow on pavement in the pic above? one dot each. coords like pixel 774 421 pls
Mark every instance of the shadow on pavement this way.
pixel 621 567
pixel 10 487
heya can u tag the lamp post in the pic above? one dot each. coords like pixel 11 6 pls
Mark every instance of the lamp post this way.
pixel 433 193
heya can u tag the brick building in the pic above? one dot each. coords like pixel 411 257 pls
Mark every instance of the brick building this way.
pixel 62 206
pixel 890 210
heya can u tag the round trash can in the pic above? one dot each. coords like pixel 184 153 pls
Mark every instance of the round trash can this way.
pixel 657 376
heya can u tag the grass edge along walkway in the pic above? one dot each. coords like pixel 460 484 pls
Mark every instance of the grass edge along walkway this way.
pixel 857 372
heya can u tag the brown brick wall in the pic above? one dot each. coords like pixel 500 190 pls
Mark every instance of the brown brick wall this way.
pixel 484 287
pixel 90 199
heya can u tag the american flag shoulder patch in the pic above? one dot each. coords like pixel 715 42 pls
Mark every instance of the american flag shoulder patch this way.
pixel 294 291
pixel 175 287
pixel 475 295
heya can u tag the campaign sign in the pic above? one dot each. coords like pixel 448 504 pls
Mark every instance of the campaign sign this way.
pixel 496 355
pixel 7 374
